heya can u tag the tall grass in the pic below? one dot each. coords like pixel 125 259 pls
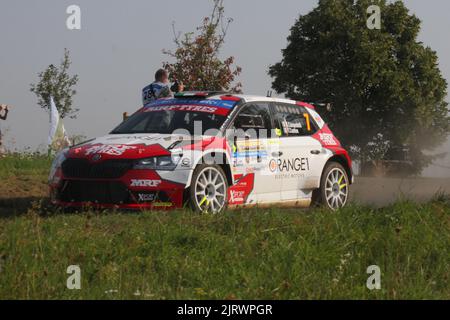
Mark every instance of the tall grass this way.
pixel 258 254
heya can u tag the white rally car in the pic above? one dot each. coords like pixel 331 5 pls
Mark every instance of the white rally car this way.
pixel 209 151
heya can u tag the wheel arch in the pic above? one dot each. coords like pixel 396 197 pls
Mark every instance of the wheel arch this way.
pixel 224 165
pixel 343 161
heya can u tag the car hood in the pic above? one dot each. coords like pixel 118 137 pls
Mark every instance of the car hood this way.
pixel 129 146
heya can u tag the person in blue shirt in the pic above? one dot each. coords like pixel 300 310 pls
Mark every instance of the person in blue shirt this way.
pixel 160 88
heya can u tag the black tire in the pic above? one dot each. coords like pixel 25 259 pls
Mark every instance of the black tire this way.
pixel 215 197
pixel 337 197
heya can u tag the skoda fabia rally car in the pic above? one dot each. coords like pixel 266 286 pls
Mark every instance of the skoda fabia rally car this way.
pixel 210 151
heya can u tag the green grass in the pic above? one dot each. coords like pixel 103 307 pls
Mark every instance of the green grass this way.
pixel 24 164
pixel 251 254
pixel 267 254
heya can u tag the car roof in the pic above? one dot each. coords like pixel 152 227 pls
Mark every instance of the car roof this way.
pixel 218 95
pixel 252 98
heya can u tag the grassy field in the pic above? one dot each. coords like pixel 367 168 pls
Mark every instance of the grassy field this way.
pixel 253 254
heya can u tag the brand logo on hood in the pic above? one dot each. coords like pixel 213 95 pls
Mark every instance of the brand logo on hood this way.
pixel 109 149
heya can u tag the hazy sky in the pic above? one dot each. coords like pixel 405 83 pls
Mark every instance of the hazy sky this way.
pixel 119 47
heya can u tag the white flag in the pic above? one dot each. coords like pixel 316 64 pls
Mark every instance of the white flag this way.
pixel 57 137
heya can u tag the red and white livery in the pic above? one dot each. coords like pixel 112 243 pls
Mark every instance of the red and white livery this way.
pixel 209 151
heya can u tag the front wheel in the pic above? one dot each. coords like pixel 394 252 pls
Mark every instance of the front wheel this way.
pixel 334 186
pixel 209 189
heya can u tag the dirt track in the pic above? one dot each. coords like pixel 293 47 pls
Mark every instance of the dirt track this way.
pixel 383 191
pixel 18 192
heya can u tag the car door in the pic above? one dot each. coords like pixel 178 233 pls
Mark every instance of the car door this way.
pixel 253 149
pixel 300 154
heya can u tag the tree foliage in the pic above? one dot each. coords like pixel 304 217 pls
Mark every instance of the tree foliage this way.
pixel 197 63
pixel 56 81
pixel 385 86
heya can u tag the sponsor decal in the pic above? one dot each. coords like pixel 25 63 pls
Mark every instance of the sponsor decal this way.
pixel 204 102
pixel 147 138
pixel 251 154
pixel 327 139
pixel 317 118
pixel 239 192
pixel 163 204
pixel 237 196
pixel 289 165
pixel 192 108
pixel 273 165
pixel 278 132
pixel 250 151
pixel 273 141
pixel 109 149
pixel 243 183
pixel 145 183
pixel 238 162
pixel 250 170
pixel 250 145
pixel 292 127
pixel 146 197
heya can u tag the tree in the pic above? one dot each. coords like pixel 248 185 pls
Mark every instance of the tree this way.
pixel 197 64
pixel 56 82
pixel 385 86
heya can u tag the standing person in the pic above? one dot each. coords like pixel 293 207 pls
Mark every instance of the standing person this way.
pixel 4 109
pixel 160 88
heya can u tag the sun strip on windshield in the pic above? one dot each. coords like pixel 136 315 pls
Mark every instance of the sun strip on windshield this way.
pixel 212 106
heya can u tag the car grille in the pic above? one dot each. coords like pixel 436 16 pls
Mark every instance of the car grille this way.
pixel 82 168
pixel 105 192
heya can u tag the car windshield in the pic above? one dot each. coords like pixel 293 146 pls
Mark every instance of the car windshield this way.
pixel 167 121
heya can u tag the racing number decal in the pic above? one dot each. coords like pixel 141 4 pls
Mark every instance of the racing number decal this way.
pixel 308 122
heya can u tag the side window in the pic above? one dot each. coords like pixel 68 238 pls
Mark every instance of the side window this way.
pixel 254 117
pixel 293 120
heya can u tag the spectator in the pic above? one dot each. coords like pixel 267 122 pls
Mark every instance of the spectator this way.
pixel 160 88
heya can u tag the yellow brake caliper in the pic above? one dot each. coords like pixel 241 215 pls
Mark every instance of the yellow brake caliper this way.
pixel 205 199
pixel 341 186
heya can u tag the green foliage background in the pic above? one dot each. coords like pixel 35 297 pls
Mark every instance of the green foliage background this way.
pixel 56 82
pixel 379 81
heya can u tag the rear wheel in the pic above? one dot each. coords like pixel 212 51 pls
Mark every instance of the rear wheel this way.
pixel 334 187
pixel 209 189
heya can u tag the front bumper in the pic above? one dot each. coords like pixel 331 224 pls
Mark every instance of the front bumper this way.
pixel 136 190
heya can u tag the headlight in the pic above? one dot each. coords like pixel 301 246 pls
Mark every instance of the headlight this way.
pixel 164 163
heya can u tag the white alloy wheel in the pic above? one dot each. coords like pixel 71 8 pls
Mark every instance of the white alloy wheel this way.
pixel 210 189
pixel 336 188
